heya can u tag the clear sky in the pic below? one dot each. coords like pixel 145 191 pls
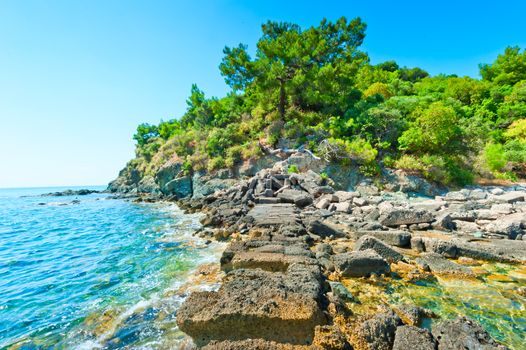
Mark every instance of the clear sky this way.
pixel 78 76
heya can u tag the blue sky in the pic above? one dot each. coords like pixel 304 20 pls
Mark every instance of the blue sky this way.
pixel 77 77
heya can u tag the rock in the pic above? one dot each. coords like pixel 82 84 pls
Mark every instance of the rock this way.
pixel 344 196
pixel 252 344
pixel 360 263
pixel 466 226
pixel 325 229
pixel 413 338
pixel 510 197
pixel 343 207
pixel 323 203
pixel 508 226
pixel 504 208
pixel 441 266
pixel 330 338
pixel 281 307
pixel 417 244
pixel 412 315
pixel 377 333
pixel 341 292
pixel 463 333
pixel 444 248
pixel 444 222
pixel 273 214
pixel 456 196
pixel 300 198
pixel 487 214
pixel 305 161
pixel 396 238
pixel 359 201
pixel 477 195
pixel 368 242
pixel 464 216
pixel 367 189
pixel 429 205
pixel 180 187
pixel 497 191
pixel 397 217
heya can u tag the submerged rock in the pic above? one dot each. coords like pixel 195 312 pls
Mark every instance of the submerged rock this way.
pixel 463 333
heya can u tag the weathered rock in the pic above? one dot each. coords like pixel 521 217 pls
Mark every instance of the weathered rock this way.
pixel 510 226
pixel 344 196
pixel 466 226
pixel 397 217
pixel 273 214
pixel 369 242
pixel 300 198
pixel 180 187
pixel 281 307
pixel 343 207
pixel 456 196
pixel 254 344
pixel 359 201
pixel 441 266
pixel 413 338
pixel 204 185
pixel 360 263
pixel 463 333
pixel 330 338
pixel 394 237
pixel 325 229
pixel 412 315
pixel 429 205
pixel 377 333
pixel 444 222
pixel 510 197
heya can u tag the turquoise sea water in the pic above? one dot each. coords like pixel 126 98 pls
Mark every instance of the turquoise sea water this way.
pixel 101 273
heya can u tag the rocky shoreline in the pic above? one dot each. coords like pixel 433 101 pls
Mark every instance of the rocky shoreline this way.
pixel 295 240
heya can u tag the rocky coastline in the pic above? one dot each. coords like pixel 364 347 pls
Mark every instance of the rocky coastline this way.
pixel 298 240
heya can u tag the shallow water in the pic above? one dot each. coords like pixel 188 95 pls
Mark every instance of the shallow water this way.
pixel 97 274
pixel 491 299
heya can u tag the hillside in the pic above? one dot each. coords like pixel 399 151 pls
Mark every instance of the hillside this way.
pixel 315 89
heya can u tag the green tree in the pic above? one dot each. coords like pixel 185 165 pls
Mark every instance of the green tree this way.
pixel 435 130
pixel 508 69
pixel 287 56
pixel 145 133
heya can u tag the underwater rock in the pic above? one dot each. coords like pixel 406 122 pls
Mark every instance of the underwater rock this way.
pixel 463 333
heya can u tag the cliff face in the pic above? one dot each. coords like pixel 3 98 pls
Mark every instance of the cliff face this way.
pixel 171 180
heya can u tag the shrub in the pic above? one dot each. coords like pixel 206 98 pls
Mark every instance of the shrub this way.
pixel 216 163
pixel 494 156
pixel 293 169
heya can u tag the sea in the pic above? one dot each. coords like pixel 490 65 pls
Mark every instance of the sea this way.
pixel 97 272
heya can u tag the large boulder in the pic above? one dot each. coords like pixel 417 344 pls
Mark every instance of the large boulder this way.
pixel 463 333
pixel 256 304
pixel 401 216
pixel 510 226
pixel 205 185
pixel 180 187
pixel 360 263
pixel 413 338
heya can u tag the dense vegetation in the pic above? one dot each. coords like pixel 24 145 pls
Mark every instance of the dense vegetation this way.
pixel 314 87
